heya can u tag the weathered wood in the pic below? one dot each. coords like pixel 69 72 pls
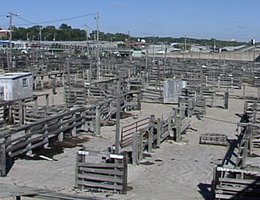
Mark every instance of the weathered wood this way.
pixel 159 132
pixel 231 183
pixel 3 161
pixel 101 175
pixel 98 117
pixel 128 131
pixel 214 138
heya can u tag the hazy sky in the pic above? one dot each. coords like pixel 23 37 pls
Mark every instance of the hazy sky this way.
pixel 221 19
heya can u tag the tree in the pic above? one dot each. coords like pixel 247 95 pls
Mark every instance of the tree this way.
pixel 64 27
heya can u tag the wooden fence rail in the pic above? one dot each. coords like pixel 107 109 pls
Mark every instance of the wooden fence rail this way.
pixel 96 171
pixel 236 183
pixel 147 133
pixel 128 131
pixel 25 138
pixel 235 179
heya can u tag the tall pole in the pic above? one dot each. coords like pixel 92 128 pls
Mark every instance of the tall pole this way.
pixel 185 43
pixel 97 18
pixel 98 58
pixel 9 62
pixel 87 39
pixel 153 49
pixel 117 115
pixel 128 34
pixel 40 34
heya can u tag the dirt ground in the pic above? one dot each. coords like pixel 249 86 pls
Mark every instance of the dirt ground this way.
pixel 181 171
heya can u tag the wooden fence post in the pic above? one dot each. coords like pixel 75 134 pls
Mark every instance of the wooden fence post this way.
pixel 150 133
pixel 139 96
pixel 226 97
pixel 98 117
pixel 47 101
pixel 45 135
pixel 250 143
pixel 74 129
pixel 135 148
pixel 213 99
pixel 214 182
pixel 140 144
pixel 3 160
pixel 169 120
pixel 29 152
pixel 159 132
pixel 61 134
pixel 245 153
pixel 254 111
pixel 21 113
pixel 80 158
pixel 219 82
pixel 190 107
pixel 178 127
pixel 258 93
pixel 83 120
pixel 244 91
pixel 150 139
pixel 245 106
pixel 124 177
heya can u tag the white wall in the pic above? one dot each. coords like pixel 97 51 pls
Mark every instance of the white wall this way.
pixel 18 88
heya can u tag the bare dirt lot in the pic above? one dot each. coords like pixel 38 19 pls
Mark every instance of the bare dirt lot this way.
pixel 180 171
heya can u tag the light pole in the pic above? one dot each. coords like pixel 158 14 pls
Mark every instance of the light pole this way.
pixel 40 35
pixel 98 58
pixel 9 62
pixel 87 40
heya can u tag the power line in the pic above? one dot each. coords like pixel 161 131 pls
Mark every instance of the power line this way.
pixel 56 20
pixel 25 20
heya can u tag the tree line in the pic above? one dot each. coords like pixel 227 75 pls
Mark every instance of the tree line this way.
pixel 66 33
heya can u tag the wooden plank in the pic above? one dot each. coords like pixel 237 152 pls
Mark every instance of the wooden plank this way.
pixel 238 188
pixel 100 178
pixel 230 196
pixel 240 181
pixel 14 154
pixel 102 165
pixel 101 171
pixel 53 195
pixel 92 185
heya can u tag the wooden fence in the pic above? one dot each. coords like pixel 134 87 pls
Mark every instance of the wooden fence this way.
pixel 25 138
pixel 252 108
pixel 100 171
pixel 235 179
pixel 128 131
pixel 22 111
pixel 147 133
pixel 236 183
pixel 195 104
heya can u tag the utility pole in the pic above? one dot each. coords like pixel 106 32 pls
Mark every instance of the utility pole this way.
pixel 118 108
pixel 87 39
pixel 97 18
pixel 185 43
pixel 98 58
pixel 10 15
pixel 86 34
pixel 128 45
pixel 214 45
pixel 40 34
pixel 153 49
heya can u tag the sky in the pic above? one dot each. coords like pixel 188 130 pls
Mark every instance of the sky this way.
pixel 219 19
